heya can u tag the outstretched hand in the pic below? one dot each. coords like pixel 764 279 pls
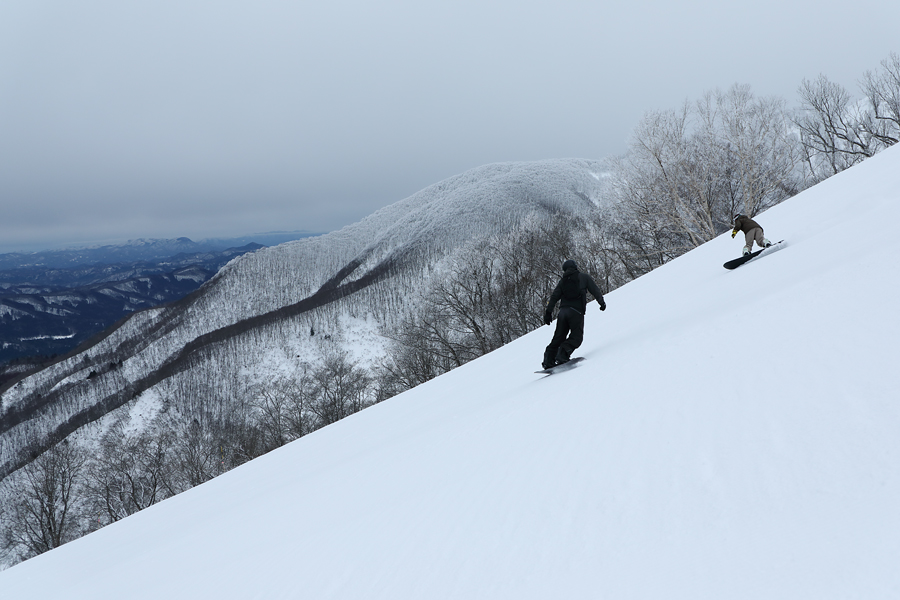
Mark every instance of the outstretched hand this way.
pixel 603 306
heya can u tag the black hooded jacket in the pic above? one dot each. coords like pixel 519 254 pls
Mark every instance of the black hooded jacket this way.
pixel 571 291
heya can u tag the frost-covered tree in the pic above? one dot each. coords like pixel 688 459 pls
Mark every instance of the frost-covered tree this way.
pixel 832 129
pixel 197 453
pixel 339 389
pixel 882 91
pixel 838 131
pixel 486 295
pixel 41 510
pixel 284 408
pixel 689 170
pixel 130 472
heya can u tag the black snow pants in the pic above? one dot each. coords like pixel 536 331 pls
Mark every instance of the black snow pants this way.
pixel 569 323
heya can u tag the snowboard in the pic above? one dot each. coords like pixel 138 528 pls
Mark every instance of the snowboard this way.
pixel 734 264
pixel 563 367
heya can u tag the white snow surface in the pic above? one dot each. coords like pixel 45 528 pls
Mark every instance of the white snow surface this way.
pixel 732 434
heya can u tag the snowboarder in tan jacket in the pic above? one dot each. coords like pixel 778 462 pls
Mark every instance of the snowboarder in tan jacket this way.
pixel 753 232
pixel 571 293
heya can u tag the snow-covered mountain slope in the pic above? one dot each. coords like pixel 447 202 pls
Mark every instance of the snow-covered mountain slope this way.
pixel 732 434
pixel 431 222
pixel 282 293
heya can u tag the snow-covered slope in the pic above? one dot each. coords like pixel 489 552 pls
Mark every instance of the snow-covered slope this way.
pixel 278 295
pixel 732 434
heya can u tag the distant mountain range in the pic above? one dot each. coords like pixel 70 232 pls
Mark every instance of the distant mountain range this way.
pixel 138 250
pixel 52 301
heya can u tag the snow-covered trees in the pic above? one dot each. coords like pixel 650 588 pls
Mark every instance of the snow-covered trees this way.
pixel 196 452
pixel 68 490
pixel 882 90
pixel 283 409
pixel 832 128
pixel 339 389
pixel 130 472
pixel 44 511
pixel 688 171
pixel 838 131
pixel 485 296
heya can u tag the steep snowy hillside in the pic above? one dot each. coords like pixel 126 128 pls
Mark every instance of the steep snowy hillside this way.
pixel 732 434
pixel 251 323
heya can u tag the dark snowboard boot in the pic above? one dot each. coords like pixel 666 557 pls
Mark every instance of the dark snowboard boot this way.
pixel 548 361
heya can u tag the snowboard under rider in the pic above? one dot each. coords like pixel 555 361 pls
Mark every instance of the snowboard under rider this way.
pixel 571 293
pixel 753 232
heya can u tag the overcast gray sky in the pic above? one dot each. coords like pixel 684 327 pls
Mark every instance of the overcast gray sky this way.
pixel 212 118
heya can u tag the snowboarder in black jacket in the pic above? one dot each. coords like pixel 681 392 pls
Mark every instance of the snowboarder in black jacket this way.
pixel 571 293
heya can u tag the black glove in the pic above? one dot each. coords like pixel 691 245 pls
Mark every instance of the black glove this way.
pixel 548 318
pixel 603 306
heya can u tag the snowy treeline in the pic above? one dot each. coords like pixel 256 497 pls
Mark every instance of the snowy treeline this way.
pixel 75 488
pixel 838 131
pixel 690 170
pixel 289 339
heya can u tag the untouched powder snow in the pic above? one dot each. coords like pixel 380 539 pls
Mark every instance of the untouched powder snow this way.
pixel 732 434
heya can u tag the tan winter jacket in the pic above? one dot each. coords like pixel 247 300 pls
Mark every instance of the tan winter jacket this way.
pixel 745 224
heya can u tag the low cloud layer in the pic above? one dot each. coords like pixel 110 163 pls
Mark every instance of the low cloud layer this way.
pixel 200 118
